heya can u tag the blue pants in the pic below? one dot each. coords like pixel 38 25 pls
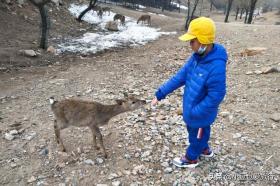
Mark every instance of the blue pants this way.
pixel 198 141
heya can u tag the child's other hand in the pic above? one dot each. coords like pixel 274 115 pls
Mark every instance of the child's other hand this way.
pixel 154 102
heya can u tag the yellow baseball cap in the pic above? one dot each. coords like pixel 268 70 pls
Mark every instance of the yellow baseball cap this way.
pixel 203 29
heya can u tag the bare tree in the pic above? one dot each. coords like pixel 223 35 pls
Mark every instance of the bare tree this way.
pixel 252 9
pixel 201 7
pixel 228 10
pixel 237 12
pixel 191 16
pixel 179 2
pixel 211 5
pixel 90 6
pixel 246 14
pixel 45 22
pixel 166 5
pixel 241 13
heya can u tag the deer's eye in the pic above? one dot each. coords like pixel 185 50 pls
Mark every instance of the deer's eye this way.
pixel 133 102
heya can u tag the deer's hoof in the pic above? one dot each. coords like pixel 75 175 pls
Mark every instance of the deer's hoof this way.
pixel 105 156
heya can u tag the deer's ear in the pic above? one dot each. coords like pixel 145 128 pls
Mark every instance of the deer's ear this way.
pixel 119 101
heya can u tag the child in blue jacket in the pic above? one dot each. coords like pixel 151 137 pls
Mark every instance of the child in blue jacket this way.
pixel 204 80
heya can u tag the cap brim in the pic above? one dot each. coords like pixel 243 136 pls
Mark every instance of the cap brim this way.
pixel 187 37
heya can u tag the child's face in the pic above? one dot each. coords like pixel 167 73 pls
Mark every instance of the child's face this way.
pixel 195 44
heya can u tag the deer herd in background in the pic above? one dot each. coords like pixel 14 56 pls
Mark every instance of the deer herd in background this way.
pixel 119 17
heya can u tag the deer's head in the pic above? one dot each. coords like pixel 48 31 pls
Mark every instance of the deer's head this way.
pixel 130 103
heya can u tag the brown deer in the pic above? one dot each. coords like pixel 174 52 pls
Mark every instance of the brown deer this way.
pixel 96 9
pixel 80 113
pixel 100 14
pixel 106 9
pixel 144 18
pixel 120 17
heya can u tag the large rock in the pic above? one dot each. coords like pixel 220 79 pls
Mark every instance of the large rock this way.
pixel 116 183
pixel 9 136
pixel 112 26
pixel 253 51
pixel 29 53
pixel 268 70
pixel 51 49
pixel 275 117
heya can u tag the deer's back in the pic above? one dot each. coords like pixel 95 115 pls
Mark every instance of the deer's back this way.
pixel 75 112
pixel 97 8
pixel 106 9
pixel 118 16
pixel 145 17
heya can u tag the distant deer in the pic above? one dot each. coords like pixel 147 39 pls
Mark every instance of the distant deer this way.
pixel 96 9
pixel 80 113
pixel 106 9
pixel 144 18
pixel 120 17
pixel 100 14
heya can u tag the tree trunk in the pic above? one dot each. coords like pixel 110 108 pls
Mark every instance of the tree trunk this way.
pixel 45 25
pixel 179 2
pixel 189 8
pixel 228 10
pixel 237 11
pixel 201 7
pixel 163 5
pixel 211 6
pixel 169 5
pixel 246 16
pixel 252 8
pixel 241 13
pixel 45 22
pixel 225 10
pixel 90 6
pixel 190 18
pixel 194 8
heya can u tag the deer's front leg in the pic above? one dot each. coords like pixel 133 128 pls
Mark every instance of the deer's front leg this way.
pixel 57 129
pixel 94 138
pixel 99 137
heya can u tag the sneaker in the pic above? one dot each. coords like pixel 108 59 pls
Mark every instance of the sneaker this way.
pixel 184 162
pixel 207 153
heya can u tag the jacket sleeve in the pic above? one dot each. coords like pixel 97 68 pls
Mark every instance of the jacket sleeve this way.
pixel 173 83
pixel 216 90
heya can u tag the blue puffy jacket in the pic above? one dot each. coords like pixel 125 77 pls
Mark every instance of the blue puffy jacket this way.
pixel 205 86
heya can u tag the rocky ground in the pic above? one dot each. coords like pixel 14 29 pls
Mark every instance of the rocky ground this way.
pixel 140 144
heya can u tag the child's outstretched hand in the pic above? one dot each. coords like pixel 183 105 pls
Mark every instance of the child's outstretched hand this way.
pixel 154 102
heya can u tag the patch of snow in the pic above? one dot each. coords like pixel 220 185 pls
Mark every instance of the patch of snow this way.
pixel 151 13
pixel 130 34
pixel 179 6
pixel 141 6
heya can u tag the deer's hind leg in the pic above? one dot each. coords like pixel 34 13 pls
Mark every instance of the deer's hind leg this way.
pixel 57 129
